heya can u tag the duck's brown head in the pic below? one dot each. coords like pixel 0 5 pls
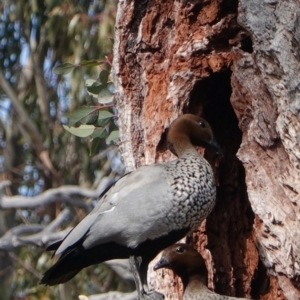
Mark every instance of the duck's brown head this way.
pixel 184 260
pixel 188 130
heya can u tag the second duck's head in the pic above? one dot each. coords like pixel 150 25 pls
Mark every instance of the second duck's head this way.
pixel 184 260
pixel 190 129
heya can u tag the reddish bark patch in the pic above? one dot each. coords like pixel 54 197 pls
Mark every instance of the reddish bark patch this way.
pixel 163 50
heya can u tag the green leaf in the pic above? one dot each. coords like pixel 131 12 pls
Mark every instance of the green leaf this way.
pixel 90 63
pixel 112 136
pixel 105 96
pixel 104 114
pixel 100 133
pixel 85 114
pixel 93 87
pixel 104 117
pixel 95 146
pixel 91 118
pixel 63 69
pixel 81 131
pixel 103 76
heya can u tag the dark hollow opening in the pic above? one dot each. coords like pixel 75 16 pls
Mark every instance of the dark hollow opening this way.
pixel 230 224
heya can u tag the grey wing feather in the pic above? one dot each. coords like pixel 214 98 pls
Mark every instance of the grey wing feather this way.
pixel 124 210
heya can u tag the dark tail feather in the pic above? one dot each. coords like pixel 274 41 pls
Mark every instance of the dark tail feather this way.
pixel 75 259
pixel 67 266
pixel 50 277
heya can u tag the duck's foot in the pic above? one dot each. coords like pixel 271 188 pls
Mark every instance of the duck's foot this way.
pixel 152 295
pixel 142 294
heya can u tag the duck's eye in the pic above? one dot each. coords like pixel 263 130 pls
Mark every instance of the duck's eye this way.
pixel 202 124
pixel 179 249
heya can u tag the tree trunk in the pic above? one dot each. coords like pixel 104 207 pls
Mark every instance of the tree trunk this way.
pixel 237 64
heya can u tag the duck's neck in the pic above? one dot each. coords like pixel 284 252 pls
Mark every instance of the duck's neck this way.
pixel 182 146
pixel 194 280
pixel 195 283
pixel 200 279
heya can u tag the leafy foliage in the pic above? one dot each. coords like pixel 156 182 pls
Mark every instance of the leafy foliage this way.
pixel 93 120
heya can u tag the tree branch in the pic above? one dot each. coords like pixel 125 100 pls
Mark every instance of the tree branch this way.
pixel 42 236
pixel 68 193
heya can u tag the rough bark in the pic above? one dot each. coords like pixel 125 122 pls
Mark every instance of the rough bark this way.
pixel 266 84
pixel 237 64
pixel 161 50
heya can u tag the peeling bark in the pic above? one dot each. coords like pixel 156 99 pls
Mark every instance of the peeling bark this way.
pixel 270 147
pixel 237 64
pixel 161 49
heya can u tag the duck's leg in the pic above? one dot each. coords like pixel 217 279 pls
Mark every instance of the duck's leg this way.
pixel 134 265
pixel 140 277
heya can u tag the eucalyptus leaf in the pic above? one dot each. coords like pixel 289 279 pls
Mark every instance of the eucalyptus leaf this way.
pixel 84 114
pixel 104 117
pixel 103 76
pixel 95 146
pixel 104 114
pixel 81 131
pixel 100 133
pixel 91 118
pixel 90 63
pixel 94 87
pixel 63 69
pixel 105 96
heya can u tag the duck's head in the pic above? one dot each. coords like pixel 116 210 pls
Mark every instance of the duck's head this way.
pixel 184 260
pixel 188 130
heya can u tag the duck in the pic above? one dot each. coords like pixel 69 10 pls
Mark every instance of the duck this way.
pixel 145 211
pixel 189 265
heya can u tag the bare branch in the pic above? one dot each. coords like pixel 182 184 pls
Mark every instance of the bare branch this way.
pixel 68 193
pixel 43 239
pixel 9 240
pixel 47 236
pixel 42 236
pixel 64 215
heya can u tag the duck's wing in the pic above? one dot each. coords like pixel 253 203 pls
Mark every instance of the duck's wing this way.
pixel 55 245
pixel 128 213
